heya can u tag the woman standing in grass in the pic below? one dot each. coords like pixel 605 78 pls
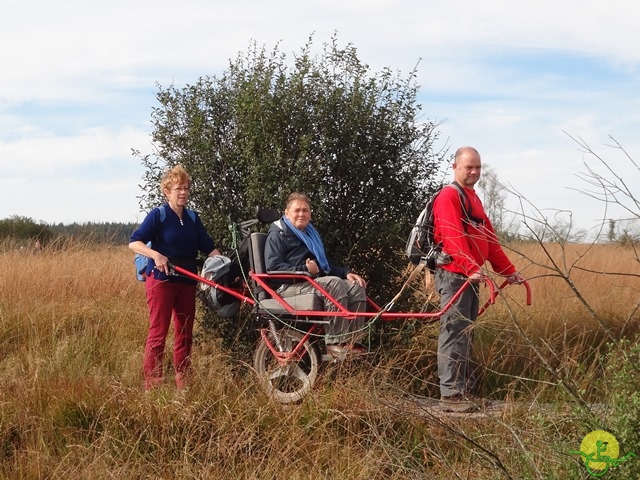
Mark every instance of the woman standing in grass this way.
pixel 177 235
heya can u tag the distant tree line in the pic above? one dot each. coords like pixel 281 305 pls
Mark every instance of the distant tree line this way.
pixel 112 233
pixel 25 230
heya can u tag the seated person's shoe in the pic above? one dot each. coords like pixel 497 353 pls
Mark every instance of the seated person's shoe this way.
pixel 336 351
pixel 342 350
pixel 356 349
pixel 459 404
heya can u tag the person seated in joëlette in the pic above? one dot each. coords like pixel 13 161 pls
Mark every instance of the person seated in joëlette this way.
pixel 293 244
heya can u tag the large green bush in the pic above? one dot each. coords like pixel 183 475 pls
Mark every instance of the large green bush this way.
pixel 352 140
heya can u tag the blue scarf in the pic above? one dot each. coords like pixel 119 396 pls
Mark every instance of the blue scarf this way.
pixel 311 238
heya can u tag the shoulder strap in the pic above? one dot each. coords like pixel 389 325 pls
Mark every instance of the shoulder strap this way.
pixel 163 214
pixel 464 202
pixel 462 195
pixel 191 214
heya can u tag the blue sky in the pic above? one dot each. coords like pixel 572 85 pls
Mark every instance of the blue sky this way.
pixel 510 78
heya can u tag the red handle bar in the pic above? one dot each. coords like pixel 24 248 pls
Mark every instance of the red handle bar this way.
pixel 524 283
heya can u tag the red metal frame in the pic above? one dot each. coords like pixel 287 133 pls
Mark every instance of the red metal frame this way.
pixel 378 312
pixel 262 279
pixel 285 357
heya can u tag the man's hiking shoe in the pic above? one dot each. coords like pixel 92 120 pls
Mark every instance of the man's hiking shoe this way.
pixel 463 404
pixel 458 404
pixel 481 402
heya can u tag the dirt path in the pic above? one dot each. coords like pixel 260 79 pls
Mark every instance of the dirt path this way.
pixel 430 407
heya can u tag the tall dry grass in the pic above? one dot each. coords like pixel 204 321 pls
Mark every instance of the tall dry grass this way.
pixel 73 323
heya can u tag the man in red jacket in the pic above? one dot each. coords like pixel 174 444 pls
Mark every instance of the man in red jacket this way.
pixel 468 242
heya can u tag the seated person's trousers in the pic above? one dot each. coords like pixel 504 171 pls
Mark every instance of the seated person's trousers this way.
pixel 350 295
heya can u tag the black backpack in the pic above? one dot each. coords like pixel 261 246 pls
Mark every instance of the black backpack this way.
pixel 421 245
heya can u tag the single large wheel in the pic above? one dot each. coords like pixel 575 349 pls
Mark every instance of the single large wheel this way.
pixel 291 381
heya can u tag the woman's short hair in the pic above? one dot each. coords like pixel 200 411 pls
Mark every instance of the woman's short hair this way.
pixel 175 176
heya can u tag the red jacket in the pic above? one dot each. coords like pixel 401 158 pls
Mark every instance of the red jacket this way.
pixel 469 245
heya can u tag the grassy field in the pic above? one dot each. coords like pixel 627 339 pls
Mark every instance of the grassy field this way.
pixel 73 324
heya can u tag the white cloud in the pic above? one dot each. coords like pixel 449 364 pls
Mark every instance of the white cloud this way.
pixel 79 80
pixel 44 152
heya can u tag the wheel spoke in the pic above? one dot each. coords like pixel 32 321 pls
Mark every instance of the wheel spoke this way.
pixel 302 376
pixel 280 372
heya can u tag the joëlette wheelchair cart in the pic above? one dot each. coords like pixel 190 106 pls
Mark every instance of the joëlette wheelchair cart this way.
pixel 290 347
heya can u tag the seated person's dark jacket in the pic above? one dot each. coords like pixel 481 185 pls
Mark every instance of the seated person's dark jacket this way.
pixel 284 251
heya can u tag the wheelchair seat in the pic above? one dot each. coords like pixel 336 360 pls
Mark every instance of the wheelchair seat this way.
pixel 307 301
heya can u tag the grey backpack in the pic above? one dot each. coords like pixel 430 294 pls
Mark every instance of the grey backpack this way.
pixel 421 244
